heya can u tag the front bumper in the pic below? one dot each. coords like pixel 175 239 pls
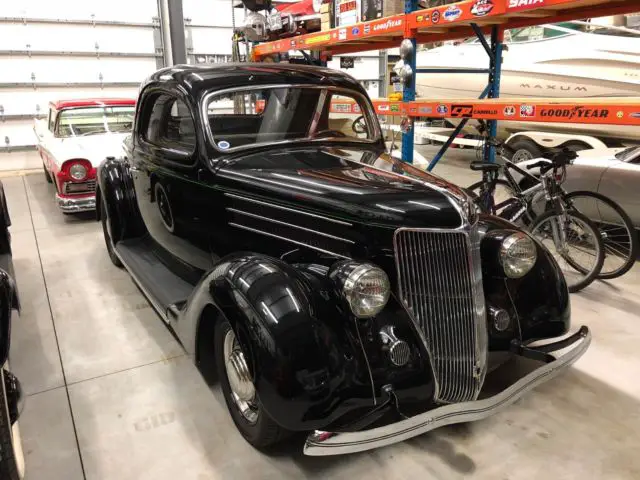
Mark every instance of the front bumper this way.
pixel 335 443
pixel 74 205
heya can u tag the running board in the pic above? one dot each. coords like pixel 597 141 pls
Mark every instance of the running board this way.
pixel 163 288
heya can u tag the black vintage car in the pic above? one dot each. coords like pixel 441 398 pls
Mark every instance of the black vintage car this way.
pixel 332 288
pixel 11 397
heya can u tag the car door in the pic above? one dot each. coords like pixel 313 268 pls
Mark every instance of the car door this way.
pixel 164 166
pixel 620 183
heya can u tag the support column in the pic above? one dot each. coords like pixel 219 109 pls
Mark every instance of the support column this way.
pixel 495 72
pixel 409 91
pixel 172 25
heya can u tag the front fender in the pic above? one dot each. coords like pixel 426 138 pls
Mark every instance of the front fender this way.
pixel 539 300
pixel 115 187
pixel 304 360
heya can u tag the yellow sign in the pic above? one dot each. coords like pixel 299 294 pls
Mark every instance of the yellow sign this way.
pixel 318 39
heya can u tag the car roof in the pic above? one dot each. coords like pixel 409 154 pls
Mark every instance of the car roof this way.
pixel 91 102
pixel 195 79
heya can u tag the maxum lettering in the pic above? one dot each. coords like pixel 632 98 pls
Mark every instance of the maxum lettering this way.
pixel 575 112
pixel 524 3
pixel 387 25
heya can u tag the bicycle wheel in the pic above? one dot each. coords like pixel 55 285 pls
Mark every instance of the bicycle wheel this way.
pixel 617 231
pixel 574 242
pixel 502 193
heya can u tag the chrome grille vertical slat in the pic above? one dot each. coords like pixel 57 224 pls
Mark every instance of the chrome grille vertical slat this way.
pixel 440 285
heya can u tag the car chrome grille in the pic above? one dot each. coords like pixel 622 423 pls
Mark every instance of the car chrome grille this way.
pixel 440 285
pixel 74 188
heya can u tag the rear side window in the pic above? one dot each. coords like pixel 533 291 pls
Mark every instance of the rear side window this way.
pixel 169 124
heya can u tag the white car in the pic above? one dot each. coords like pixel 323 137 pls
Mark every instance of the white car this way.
pixel 613 172
pixel 75 138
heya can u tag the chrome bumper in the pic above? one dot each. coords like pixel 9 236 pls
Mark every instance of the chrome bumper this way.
pixel 334 443
pixel 74 205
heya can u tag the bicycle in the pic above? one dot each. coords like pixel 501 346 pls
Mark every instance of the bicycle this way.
pixel 617 231
pixel 573 239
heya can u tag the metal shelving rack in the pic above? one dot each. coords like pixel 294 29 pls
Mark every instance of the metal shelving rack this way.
pixel 462 20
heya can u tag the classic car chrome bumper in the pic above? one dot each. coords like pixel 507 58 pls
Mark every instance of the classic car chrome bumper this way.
pixel 336 443
pixel 73 205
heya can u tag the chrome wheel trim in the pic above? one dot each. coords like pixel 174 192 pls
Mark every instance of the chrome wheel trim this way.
pixel 242 390
pixel 521 155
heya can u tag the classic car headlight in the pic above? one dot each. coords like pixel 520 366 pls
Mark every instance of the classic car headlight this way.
pixel 367 290
pixel 78 171
pixel 517 255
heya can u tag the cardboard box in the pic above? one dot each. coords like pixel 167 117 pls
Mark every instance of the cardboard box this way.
pixel 372 9
pixel 347 12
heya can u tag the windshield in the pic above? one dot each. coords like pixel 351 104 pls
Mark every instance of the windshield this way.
pixel 78 122
pixel 263 115
pixel 628 154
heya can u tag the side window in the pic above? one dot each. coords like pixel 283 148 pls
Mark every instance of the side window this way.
pixel 169 124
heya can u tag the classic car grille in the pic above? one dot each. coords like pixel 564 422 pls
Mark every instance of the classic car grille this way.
pixel 440 284
pixel 71 188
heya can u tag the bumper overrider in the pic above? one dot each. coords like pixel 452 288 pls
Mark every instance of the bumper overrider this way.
pixel 337 443
pixel 74 205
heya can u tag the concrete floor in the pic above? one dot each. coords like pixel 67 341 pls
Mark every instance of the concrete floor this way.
pixel 111 395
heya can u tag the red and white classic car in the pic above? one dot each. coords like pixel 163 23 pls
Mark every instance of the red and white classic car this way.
pixel 74 139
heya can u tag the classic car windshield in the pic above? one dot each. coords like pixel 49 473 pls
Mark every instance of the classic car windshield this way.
pixel 77 122
pixel 264 115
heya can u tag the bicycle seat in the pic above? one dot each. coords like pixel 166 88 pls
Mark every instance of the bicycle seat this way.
pixel 485 167
pixel 557 154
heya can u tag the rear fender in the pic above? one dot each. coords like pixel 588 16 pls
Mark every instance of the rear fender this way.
pixel 299 351
pixel 115 186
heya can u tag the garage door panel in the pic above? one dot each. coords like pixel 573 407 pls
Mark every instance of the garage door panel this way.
pixel 211 12
pixel 26 100
pixel 75 69
pixel 19 133
pixel 76 38
pixel 114 10
pixel 211 40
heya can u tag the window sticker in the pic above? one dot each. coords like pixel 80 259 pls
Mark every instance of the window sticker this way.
pixel 223 145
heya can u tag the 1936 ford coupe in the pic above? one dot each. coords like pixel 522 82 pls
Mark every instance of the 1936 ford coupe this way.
pixel 331 288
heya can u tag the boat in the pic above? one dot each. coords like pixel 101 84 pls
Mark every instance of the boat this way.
pixel 569 60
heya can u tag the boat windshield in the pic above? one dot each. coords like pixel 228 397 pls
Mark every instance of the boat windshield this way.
pixel 78 122
pixel 264 115
pixel 629 154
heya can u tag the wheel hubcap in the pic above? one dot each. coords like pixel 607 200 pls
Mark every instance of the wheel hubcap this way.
pixel 242 389
pixel 521 156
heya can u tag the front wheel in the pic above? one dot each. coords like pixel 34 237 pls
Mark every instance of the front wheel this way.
pixel 11 456
pixel 616 229
pixel 574 242
pixel 242 400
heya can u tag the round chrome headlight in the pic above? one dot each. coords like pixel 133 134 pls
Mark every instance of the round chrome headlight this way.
pixel 367 290
pixel 517 255
pixel 78 171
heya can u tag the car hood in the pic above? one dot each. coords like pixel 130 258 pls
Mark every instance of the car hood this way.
pixel 92 147
pixel 365 186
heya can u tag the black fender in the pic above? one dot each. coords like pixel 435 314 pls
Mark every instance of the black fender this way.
pixel 539 301
pixel 307 366
pixel 115 187
pixel 8 302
